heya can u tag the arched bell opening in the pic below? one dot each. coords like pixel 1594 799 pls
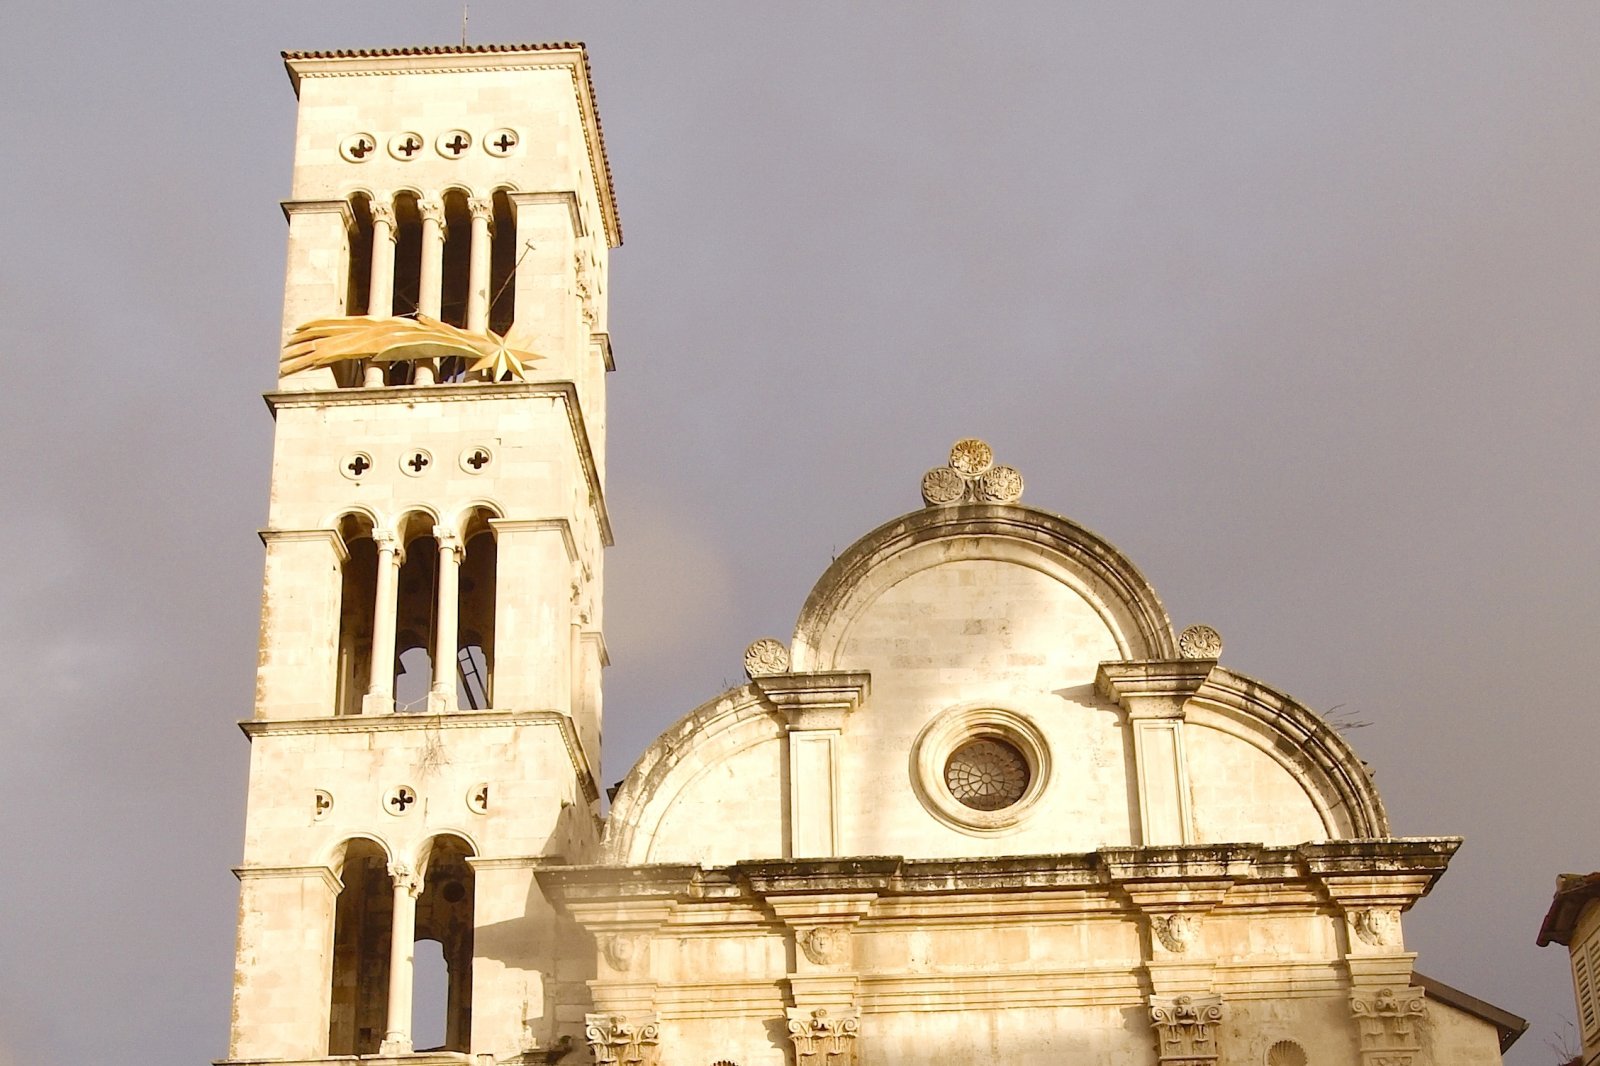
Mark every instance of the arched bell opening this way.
pixel 475 632
pixel 442 1010
pixel 407 254
pixel 415 613
pixel 358 280
pixel 358 590
pixel 456 264
pixel 362 930
pixel 502 265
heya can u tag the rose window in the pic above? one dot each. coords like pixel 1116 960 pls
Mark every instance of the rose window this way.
pixel 987 774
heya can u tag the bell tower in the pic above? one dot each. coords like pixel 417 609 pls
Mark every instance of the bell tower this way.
pixel 426 729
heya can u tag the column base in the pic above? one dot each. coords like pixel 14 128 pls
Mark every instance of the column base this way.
pixel 374 704
pixel 395 1045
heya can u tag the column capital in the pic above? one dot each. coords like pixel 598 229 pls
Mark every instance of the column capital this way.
pixel 481 207
pixel 448 541
pixel 382 215
pixel 823 1038
pixel 1187 1029
pixel 431 211
pixel 386 539
pixel 616 1039
pixel 405 878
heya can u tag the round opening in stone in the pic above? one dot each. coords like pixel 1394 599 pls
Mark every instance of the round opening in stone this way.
pixel 987 774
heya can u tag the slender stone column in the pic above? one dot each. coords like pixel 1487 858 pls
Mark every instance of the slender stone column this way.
pixel 380 687
pixel 431 275
pixel 482 210
pixel 442 697
pixel 380 288
pixel 402 954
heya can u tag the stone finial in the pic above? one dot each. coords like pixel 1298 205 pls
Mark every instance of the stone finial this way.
pixel 971 477
pixel 766 657
pixel 1200 642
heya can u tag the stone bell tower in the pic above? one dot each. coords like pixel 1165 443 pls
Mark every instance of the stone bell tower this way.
pixel 426 729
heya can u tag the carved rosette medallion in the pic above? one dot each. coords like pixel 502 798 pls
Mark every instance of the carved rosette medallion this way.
pixel 1379 926
pixel 1001 484
pixel 619 1041
pixel 1200 642
pixel 971 457
pixel 821 1038
pixel 1175 932
pixel 622 950
pixel 825 945
pixel 941 485
pixel 1187 1029
pixel 1388 1023
pixel 971 477
pixel 766 657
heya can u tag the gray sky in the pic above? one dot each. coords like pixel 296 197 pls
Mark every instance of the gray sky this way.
pixel 1296 307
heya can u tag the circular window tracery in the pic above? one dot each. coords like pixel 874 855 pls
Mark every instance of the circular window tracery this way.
pixel 987 774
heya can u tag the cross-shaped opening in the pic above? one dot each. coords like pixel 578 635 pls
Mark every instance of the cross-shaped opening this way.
pixel 478 460
pixel 417 462
pixel 505 142
pixel 410 147
pixel 358 465
pixel 457 144
pixel 402 799
pixel 360 148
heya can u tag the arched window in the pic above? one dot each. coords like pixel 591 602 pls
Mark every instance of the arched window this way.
pixel 359 281
pixel 415 612
pixel 358 592
pixel 363 917
pixel 503 254
pixel 445 916
pixel 475 634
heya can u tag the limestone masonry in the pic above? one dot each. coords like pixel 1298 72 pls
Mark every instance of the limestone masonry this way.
pixel 984 804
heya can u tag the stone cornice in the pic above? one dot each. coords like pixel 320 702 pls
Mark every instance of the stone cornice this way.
pixel 536 525
pixel 814 700
pixel 565 198
pixel 319 207
pixel 390 723
pixel 565 391
pixel 262 873
pixel 604 341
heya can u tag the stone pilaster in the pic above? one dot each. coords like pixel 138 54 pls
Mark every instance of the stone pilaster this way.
pixel 822 1037
pixel 623 1040
pixel 1188 1029
pixel 1387 1020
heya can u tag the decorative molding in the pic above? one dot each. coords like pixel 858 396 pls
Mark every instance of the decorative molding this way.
pixel 765 658
pixel 1187 1029
pixel 618 1041
pixel 825 945
pixel 1387 1021
pixel 821 1038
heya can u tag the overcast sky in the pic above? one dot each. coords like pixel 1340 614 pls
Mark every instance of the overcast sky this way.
pixel 1295 306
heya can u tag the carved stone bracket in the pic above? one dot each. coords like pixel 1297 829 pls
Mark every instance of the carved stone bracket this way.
pixel 617 1040
pixel 1377 926
pixel 1187 1029
pixel 821 1038
pixel 1388 1023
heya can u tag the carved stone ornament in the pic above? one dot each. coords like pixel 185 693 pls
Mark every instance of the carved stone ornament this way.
pixel 619 1041
pixel 1187 1029
pixel 825 945
pixel 1175 932
pixel 971 476
pixel 971 457
pixel 766 657
pixel 1000 484
pixel 941 485
pixel 1388 1024
pixel 585 289
pixel 1379 926
pixel 1200 642
pixel 622 950
pixel 823 1039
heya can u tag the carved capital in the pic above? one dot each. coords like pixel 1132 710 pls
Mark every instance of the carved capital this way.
pixel 481 207
pixel 1388 1023
pixel 1187 1029
pixel 406 878
pixel 623 950
pixel 618 1040
pixel 431 211
pixel 821 1038
pixel 449 543
pixel 383 215
pixel 825 945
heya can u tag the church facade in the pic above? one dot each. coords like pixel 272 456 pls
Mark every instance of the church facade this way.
pixel 984 804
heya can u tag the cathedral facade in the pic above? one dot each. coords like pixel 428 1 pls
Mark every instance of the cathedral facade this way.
pixel 984 804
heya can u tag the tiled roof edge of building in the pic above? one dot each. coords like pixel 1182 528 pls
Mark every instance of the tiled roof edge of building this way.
pixel 615 216
pixel 1573 892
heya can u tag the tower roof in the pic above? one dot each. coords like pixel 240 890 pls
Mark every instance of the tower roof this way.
pixel 455 58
